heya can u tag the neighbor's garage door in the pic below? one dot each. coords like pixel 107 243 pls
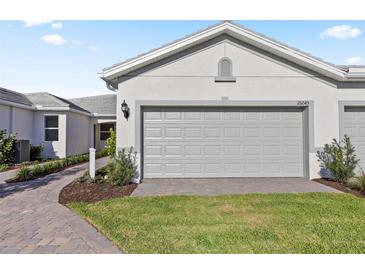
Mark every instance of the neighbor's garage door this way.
pixel 222 142
pixel 354 127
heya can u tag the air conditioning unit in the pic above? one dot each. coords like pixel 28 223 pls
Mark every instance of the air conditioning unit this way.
pixel 22 152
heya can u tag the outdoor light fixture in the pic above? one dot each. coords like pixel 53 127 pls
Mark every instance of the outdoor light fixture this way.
pixel 125 110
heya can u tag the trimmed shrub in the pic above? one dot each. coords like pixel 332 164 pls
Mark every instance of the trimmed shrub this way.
pixel 3 167
pixel 111 144
pixel 48 167
pixel 24 174
pixel 85 157
pixel 7 147
pixel 38 170
pixel 35 152
pixel 339 159
pixel 101 153
pixel 123 168
pixel 359 181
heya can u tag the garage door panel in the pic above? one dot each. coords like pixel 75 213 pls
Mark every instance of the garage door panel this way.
pixel 222 142
pixel 354 127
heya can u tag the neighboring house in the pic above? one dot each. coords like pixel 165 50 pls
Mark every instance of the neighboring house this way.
pixel 64 127
pixel 16 114
pixel 229 102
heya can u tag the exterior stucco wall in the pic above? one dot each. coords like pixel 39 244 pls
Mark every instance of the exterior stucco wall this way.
pixel 23 123
pixel 77 134
pixel 52 149
pixel 258 78
pixel 5 118
pixel 15 119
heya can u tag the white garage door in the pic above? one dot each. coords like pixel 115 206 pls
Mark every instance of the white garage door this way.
pixel 222 142
pixel 354 127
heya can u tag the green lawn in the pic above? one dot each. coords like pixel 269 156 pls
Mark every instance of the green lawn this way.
pixel 253 223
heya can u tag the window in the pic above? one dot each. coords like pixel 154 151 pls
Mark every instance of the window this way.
pixel 51 128
pixel 105 130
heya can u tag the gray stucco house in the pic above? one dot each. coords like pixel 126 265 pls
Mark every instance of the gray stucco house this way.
pixel 64 127
pixel 229 102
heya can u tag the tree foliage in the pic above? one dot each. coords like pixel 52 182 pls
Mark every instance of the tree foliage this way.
pixel 7 147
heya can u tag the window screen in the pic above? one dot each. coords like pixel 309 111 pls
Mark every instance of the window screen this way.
pixel 105 130
pixel 51 128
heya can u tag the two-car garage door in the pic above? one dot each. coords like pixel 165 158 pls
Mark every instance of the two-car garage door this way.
pixel 222 142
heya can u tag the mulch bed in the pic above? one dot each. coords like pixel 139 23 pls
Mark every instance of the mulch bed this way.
pixel 341 187
pixel 84 189
pixel 92 192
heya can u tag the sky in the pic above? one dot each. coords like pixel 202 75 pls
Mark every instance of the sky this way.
pixel 64 57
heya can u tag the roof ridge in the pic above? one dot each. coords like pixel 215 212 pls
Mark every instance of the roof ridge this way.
pixel 57 99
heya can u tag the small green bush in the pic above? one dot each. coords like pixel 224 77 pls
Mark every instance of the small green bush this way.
pixel 38 170
pixel 57 165
pixel 339 159
pixel 111 144
pixel 123 168
pixel 78 159
pixel 36 152
pixel 48 167
pixel 7 147
pixel 3 167
pixel 26 163
pixel 360 180
pixel 85 157
pixel 24 173
pixel 101 153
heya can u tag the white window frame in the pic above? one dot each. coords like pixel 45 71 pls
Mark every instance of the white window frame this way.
pixel 58 128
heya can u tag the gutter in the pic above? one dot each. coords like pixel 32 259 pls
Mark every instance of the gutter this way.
pixel 103 115
pixel 63 109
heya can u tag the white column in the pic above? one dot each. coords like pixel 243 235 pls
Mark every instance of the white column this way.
pixel 92 162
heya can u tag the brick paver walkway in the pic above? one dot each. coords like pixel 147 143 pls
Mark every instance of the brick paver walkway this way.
pixel 32 220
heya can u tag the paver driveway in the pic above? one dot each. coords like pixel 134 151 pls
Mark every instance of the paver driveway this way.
pixel 219 186
pixel 32 220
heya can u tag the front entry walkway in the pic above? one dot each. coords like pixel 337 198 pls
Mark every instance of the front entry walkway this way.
pixel 220 186
pixel 32 220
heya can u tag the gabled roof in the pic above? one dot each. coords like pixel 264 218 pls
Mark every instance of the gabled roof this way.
pixel 260 41
pixel 45 100
pixel 98 105
pixel 7 95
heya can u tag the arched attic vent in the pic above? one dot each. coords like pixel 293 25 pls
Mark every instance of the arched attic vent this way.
pixel 225 71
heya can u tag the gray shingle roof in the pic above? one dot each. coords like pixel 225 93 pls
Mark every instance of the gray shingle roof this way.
pixel 14 97
pixel 100 104
pixel 46 99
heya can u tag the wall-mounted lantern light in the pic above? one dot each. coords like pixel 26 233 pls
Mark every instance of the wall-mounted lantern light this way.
pixel 125 110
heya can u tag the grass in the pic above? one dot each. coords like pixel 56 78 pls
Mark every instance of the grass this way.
pixel 253 223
